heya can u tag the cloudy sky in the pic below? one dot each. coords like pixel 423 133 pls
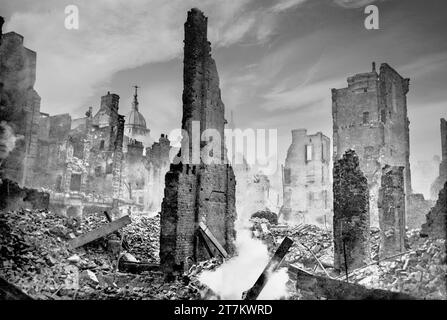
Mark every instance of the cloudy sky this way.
pixel 277 60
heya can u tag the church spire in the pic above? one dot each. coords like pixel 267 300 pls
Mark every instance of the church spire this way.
pixel 135 99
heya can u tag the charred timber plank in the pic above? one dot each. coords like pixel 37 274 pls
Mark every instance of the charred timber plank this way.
pixel 340 290
pixel 202 236
pixel 271 267
pixel 137 267
pixel 100 232
pixel 125 243
pixel 213 239
pixel 9 291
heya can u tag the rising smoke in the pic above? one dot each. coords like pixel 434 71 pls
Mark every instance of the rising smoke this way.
pixel 240 273
pixel 7 140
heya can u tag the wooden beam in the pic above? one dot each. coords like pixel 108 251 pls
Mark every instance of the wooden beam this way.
pixel 202 237
pixel 100 232
pixel 137 267
pixel 271 267
pixel 9 291
pixel 213 239
pixel 125 243
pixel 332 289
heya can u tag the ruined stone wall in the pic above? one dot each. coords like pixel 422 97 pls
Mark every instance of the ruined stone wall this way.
pixel 417 209
pixel 392 211
pixel 442 178
pixel 19 106
pixel 307 187
pixel 370 117
pixel 351 214
pixel 203 192
pixel 436 223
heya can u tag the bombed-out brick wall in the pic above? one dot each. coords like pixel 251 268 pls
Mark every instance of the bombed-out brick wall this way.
pixel 351 214
pixel 19 109
pixel 370 117
pixel 198 192
pixel 442 178
pixel 436 223
pixel 306 177
pixel 392 211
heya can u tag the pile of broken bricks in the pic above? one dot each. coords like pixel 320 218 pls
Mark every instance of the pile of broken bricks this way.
pixel 46 256
pixel 419 272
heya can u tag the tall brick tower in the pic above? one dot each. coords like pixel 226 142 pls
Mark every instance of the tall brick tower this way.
pixel 197 192
pixel 370 117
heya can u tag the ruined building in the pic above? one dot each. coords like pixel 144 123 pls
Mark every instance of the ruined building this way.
pixel 351 214
pixel 370 117
pixel 197 192
pixel 306 179
pixel 19 109
pixel 442 178
pixel 81 159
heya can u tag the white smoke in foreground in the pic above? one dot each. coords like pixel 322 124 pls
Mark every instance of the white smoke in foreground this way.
pixel 7 140
pixel 240 273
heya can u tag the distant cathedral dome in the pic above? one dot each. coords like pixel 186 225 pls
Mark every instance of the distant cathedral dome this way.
pixel 135 123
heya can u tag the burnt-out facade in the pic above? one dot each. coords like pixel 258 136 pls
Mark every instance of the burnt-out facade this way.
pixel 81 159
pixel 307 193
pixel 370 117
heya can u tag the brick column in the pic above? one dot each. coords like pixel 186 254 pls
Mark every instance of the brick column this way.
pixel 351 214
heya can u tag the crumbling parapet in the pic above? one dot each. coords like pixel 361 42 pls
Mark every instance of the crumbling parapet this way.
pixel 436 225
pixel 351 214
pixel 391 206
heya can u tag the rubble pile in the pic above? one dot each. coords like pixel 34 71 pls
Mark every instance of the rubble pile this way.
pixel 143 237
pixel 420 271
pixel 308 240
pixel 34 251
pixel 37 259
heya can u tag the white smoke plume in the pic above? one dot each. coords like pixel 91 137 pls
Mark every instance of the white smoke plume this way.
pixel 7 140
pixel 240 273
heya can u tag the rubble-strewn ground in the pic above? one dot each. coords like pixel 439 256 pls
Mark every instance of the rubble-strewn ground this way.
pixel 36 258
pixel 420 272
